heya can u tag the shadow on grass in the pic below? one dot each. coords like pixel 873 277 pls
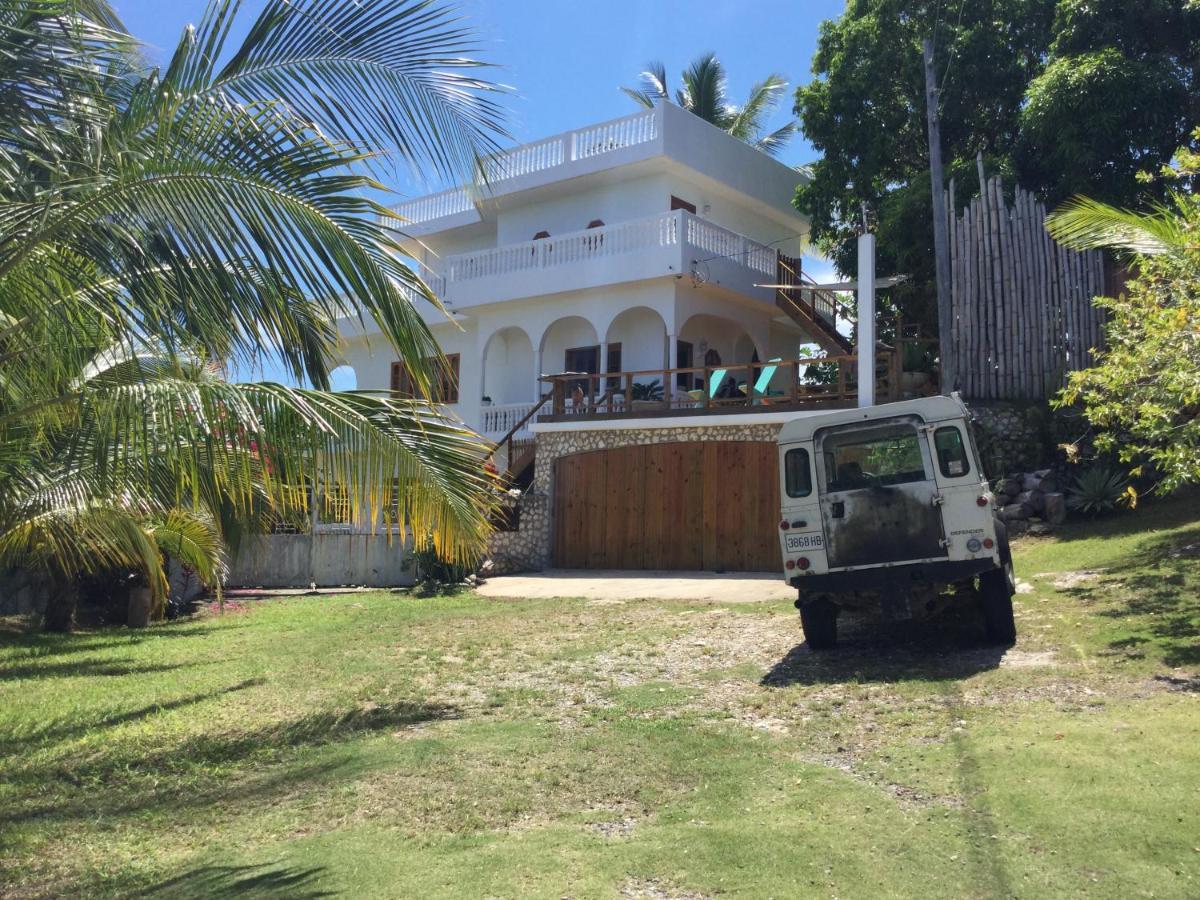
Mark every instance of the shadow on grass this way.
pixel 261 881
pixel 1155 606
pixel 67 731
pixel 86 668
pixel 39 644
pixel 945 647
pixel 207 770
pixel 1167 512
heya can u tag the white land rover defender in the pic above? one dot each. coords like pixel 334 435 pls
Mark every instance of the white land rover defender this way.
pixel 887 508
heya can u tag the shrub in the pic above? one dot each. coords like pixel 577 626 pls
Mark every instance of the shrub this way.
pixel 1099 490
pixel 651 390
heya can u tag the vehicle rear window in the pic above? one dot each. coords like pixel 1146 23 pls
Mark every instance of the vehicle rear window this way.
pixel 951 452
pixel 796 473
pixel 873 457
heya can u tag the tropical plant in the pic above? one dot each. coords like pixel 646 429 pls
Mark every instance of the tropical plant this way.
pixel 158 224
pixel 1143 393
pixel 648 390
pixel 1098 490
pixel 704 93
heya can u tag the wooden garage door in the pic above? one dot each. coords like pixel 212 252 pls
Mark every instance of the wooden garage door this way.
pixel 702 506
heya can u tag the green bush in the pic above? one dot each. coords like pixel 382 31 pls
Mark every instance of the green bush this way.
pixel 1098 490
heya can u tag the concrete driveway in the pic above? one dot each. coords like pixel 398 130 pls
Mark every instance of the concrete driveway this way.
pixel 736 587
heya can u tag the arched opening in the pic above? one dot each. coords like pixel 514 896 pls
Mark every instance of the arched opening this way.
pixel 721 342
pixel 731 342
pixel 571 344
pixel 636 341
pixel 508 367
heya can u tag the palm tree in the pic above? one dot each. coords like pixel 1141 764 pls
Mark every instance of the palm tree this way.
pixel 158 223
pixel 704 93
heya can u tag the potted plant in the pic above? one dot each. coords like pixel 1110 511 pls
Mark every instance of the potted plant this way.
pixel 647 395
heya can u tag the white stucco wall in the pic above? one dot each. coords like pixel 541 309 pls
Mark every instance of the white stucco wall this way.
pixel 620 201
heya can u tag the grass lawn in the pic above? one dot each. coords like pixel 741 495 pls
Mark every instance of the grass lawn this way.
pixel 376 745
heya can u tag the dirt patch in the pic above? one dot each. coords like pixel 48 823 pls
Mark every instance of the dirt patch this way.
pixel 621 828
pixel 1067 580
pixel 658 889
pixel 1029 659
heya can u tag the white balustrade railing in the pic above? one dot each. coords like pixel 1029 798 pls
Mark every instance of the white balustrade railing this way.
pixel 422 209
pixel 610 136
pixel 594 243
pixel 497 421
pixel 583 143
pixel 526 159
pixel 707 240
pixel 721 243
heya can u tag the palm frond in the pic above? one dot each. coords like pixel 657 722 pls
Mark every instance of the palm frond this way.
pixel 704 91
pixel 772 143
pixel 764 96
pixel 1085 224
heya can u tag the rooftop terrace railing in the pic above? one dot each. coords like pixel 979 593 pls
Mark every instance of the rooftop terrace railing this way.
pixel 540 156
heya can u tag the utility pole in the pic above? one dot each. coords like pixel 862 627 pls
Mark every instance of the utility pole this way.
pixel 941 247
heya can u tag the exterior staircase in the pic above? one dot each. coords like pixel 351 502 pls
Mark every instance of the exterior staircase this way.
pixel 809 306
pixel 515 457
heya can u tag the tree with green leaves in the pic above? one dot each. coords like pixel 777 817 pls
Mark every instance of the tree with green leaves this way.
pixel 704 92
pixel 1060 96
pixel 1143 394
pixel 158 225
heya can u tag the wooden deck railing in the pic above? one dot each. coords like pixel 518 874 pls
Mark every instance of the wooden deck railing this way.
pixel 773 385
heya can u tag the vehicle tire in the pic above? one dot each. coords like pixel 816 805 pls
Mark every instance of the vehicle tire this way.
pixel 818 618
pixel 1005 554
pixel 995 601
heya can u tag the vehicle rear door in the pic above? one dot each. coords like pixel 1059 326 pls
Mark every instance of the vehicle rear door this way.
pixel 878 493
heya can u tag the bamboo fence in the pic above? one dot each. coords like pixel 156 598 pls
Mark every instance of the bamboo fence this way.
pixel 1022 304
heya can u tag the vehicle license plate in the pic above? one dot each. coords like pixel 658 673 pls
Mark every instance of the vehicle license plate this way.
pixel 814 541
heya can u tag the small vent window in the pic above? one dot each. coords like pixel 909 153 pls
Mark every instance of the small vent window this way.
pixel 797 474
pixel 951 452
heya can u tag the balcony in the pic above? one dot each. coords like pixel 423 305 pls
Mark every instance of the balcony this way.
pixel 675 243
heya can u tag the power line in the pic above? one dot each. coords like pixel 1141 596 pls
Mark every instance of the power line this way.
pixel 953 46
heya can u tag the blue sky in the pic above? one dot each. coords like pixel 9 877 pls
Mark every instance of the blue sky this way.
pixel 565 59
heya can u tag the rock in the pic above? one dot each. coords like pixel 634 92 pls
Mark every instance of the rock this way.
pixel 1055 506
pixel 1035 500
pixel 1003 500
pixel 1015 512
pixel 1010 486
pixel 1040 529
pixel 1016 527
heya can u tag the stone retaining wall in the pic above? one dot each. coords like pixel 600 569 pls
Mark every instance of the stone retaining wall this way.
pixel 1022 437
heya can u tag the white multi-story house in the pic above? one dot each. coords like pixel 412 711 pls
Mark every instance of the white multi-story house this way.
pixel 635 245
pixel 642 257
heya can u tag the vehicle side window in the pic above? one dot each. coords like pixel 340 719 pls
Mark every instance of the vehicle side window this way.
pixel 796 473
pixel 951 452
